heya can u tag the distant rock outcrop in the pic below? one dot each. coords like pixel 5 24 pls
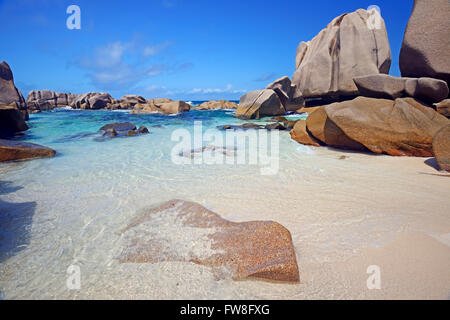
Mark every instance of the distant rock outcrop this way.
pixel 388 87
pixel 216 105
pixel 426 47
pixel 260 250
pixel 350 46
pixel 15 150
pixel 164 106
pixel 92 100
pixel 47 100
pixel 260 103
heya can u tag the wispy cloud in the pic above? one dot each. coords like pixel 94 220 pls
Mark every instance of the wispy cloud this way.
pixel 266 77
pixel 153 50
pixel 118 64
pixel 227 89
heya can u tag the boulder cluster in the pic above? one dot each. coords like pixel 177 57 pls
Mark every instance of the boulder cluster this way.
pixel 341 80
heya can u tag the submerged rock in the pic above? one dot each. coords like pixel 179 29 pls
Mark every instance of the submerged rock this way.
pixel 120 129
pixel 14 150
pixel 441 148
pixel 425 49
pixel 350 46
pixel 185 231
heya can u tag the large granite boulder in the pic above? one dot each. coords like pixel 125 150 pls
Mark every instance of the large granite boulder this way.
pixel 441 148
pixel 92 100
pixel 9 94
pixel 404 127
pixel 300 134
pixel 47 100
pixel 164 106
pixel 260 103
pixel 285 91
pixel 350 46
pixel 326 131
pixel 11 121
pixel 426 47
pixel 443 107
pixel 216 105
pixel 187 232
pixel 14 151
pixel 389 87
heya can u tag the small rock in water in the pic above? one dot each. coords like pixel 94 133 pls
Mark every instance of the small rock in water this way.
pixel 188 232
pixel 14 150
pixel 121 129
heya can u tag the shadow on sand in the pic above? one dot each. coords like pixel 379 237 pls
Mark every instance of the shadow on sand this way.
pixel 15 223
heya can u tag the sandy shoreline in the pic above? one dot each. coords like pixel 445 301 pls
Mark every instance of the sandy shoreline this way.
pixel 344 215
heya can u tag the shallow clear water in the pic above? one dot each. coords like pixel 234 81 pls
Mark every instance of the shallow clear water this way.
pixel 68 209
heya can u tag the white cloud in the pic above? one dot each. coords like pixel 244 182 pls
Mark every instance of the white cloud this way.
pixel 153 50
pixel 227 89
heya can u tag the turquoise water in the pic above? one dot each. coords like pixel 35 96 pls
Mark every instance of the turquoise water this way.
pixel 68 209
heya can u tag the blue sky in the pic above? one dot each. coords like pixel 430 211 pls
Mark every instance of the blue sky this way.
pixel 181 49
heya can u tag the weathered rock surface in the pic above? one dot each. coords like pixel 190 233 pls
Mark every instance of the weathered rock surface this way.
pixel 426 47
pixel 11 121
pixel 441 148
pixel 92 100
pixel 404 127
pixel 129 101
pixel 185 231
pixel 326 131
pixel 285 91
pixel 162 106
pixel 300 134
pixel 387 87
pixel 215 105
pixel 349 47
pixel 47 100
pixel 443 108
pixel 14 150
pixel 9 94
pixel 260 103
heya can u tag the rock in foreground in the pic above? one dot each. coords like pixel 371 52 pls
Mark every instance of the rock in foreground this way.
pixel 441 148
pixel 185 231
pixel 15 150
